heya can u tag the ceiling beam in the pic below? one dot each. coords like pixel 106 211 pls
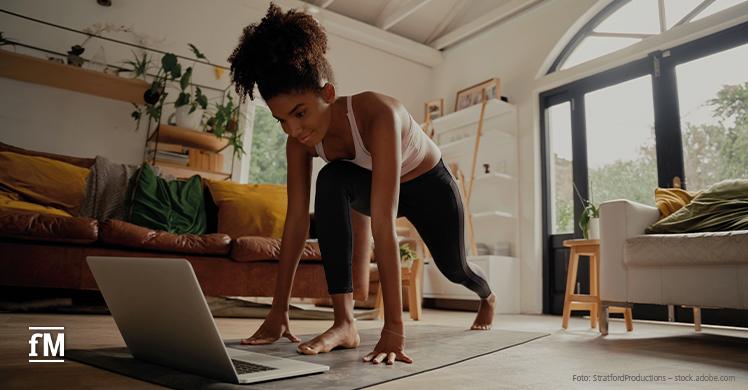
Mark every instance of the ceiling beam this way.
pixel 663 20
pixel 368 35
pixel 498 14
pixel 620 35
pixel 397 10
pixel 457 7
pixel 697 10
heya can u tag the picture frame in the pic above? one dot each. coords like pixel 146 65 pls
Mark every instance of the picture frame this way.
pixel 474 94
pixel 433 109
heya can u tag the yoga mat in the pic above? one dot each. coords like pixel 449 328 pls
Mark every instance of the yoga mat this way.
pixel 431 347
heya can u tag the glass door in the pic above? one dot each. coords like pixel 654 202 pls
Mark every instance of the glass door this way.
pixel 559 201
pixel 713 97
pixel 621 156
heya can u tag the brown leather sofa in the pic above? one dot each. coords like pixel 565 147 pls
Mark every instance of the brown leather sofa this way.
pixel 49 251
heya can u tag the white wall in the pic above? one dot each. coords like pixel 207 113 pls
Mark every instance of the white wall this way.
pixel 61 121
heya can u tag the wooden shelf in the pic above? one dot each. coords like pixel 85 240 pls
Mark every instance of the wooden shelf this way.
pixel 494 214
pixel 182 171
pixel 465 145
pixel 493 176
pixel 466 116
pixel 191 138
pixel 45 72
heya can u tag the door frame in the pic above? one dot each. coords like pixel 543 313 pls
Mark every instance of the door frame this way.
pixel 660 65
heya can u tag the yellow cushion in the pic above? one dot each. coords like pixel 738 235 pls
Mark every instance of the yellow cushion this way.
pixel 12 201
pixel 43 180
pixel 250 209
pixel 670 200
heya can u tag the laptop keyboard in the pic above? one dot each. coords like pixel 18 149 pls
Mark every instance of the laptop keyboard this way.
pixel 246 368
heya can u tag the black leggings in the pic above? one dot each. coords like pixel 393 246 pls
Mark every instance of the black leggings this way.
pixel 431 202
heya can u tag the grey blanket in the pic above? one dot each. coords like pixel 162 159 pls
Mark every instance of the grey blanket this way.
pixel 108 187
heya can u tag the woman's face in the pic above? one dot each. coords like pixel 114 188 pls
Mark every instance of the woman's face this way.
pixel 303 116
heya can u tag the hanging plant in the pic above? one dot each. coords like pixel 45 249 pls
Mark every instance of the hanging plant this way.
pixel 154 96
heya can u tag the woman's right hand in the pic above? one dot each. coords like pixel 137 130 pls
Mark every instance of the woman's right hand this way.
pixel 274 327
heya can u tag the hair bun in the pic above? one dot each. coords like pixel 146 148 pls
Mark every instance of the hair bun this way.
pixel 292 43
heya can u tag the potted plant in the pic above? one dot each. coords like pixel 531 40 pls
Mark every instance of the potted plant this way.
pixel 188 115
pixel 155 96
pixel 589 220
pixel 74 55
pixel 407 255
pixel 223 122
pixel 139 65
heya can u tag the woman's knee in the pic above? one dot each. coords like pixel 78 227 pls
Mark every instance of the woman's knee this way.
pixel 454 274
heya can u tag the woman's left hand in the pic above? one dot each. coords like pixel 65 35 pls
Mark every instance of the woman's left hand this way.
pixel 391 347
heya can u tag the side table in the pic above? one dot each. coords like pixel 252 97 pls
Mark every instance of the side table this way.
pixel 591 301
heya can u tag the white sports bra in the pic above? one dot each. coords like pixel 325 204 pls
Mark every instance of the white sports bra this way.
pixel 414 145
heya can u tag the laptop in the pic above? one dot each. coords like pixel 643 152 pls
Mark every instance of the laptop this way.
pixel 164 319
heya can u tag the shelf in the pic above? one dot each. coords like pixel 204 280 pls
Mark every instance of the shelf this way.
pixel 493 214
pixel 182 171
pixel 471 139
pixel 493 176
pixel 466 116
pixel 191 138
pixel 45 72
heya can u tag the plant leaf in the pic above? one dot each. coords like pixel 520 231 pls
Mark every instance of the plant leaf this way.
pixel 196 52
pixel 169 62
pixel 183 99
pixel 184 82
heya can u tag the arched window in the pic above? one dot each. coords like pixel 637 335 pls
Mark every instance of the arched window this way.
pixel 625 22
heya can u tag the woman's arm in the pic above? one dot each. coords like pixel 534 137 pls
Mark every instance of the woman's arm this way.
pixel 385 191
pixel 296 227
pixel 385 125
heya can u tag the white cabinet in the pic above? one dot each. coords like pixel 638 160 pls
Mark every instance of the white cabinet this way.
pixel 494 201
pixel 502 273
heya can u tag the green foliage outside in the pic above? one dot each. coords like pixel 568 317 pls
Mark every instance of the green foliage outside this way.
pixel 712 153
pixel 268 156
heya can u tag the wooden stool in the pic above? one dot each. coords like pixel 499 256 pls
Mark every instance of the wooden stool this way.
pixel 413 276
pixel 589 301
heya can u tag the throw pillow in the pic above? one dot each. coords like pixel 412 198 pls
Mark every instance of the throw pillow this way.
pixel 175 206
pixel 43 180
pixel 250 209
pixel 12 201
pixel 721 207
pixel 669 200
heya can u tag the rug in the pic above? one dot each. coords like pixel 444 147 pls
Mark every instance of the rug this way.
pixel 431 347
pixel 234 307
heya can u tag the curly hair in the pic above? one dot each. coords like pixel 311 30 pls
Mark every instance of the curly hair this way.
pixel 284 53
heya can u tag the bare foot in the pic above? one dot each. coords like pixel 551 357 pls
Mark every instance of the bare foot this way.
pixel 343 335
pixel 485 314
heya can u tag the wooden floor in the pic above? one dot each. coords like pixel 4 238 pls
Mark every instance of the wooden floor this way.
pixel 548 363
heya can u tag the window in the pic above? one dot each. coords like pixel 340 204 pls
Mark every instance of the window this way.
pixel 626 22
pixel 713 99
pixel 621 156
pixel 268 153
pixel 562 191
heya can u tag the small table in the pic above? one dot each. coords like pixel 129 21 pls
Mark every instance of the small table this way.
pixel 589 301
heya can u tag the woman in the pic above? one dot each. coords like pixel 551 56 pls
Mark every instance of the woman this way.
pixel 381 166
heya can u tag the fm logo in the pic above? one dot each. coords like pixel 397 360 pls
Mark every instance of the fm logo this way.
pixel 53 348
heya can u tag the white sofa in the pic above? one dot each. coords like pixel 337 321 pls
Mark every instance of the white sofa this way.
pixel 695 269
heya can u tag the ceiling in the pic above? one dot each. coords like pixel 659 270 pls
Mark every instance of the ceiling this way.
pixel 436 23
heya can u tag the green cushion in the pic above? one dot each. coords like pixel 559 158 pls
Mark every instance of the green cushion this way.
pixel 722 207
pixel 175 206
